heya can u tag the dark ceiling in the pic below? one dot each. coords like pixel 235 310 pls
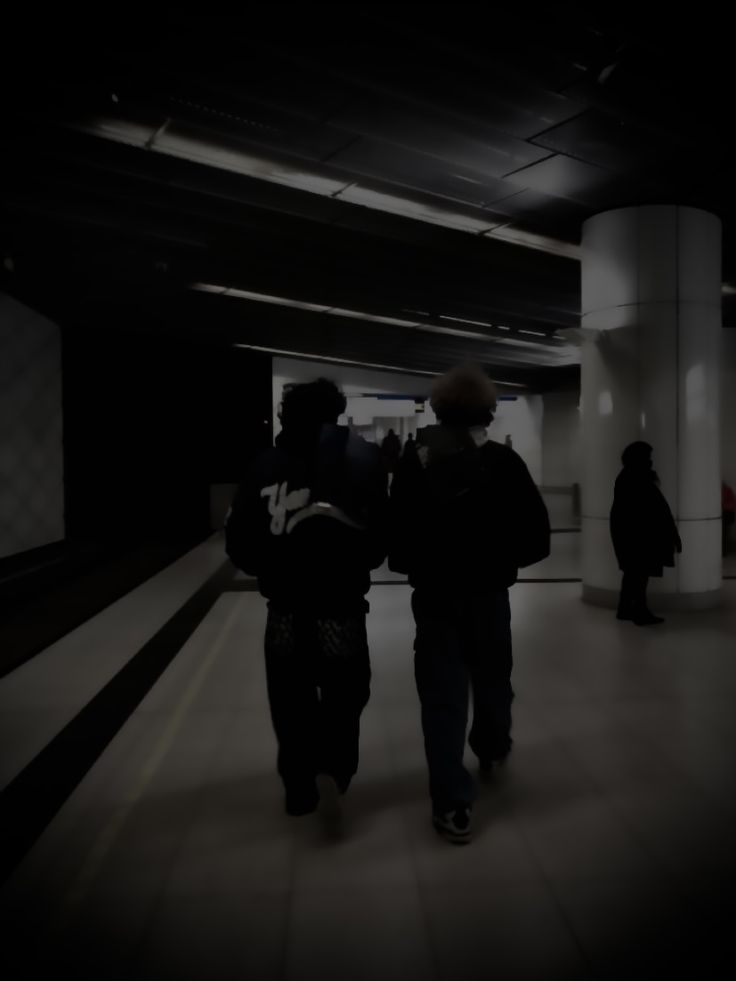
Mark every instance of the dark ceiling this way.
pixel 377 161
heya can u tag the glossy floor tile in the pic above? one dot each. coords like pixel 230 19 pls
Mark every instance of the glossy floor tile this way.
pixel 605 845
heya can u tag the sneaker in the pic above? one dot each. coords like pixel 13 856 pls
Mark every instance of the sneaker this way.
pixel 454 825
pixel 624 615
pixel 301 800
pixel 487 764
pixel 341 782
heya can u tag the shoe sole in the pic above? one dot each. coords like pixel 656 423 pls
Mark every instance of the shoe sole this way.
pixel 454 837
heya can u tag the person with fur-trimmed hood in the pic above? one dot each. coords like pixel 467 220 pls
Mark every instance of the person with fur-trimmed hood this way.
pixel 465 516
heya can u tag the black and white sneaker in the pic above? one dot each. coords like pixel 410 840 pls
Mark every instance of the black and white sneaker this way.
pixel 487 765
pixel 454 825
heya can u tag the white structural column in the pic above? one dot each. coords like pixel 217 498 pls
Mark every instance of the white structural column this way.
pixel 651 319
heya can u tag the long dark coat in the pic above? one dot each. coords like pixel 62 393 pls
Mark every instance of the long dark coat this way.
pixel 643 531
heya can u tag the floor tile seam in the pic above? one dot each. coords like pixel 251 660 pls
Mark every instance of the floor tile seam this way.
pixel 601 792
pixel 193 812
pixel 107 610
pixel 424 912
pixel 553 895
pixel 691 784
pixel 633 832
pixel 61 910
pixel 119 697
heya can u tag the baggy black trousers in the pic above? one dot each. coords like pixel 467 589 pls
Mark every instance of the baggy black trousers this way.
pixel 318 676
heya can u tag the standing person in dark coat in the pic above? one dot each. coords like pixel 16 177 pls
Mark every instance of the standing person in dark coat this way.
pixel 391 449
pixel 410 448
pixel 466 515
pixel 309 521
pixel 643 532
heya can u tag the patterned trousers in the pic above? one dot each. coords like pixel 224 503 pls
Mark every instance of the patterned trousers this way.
pixel 318 676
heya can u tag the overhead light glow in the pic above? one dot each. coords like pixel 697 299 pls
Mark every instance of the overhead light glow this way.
pixel 536 333
pixel 332 360
pixel 530 240
pixel 357 315
pixel 281 301
pixel 376 318
pixel 221 155
pixel 462 320
pixel 360 364
pixel 411 209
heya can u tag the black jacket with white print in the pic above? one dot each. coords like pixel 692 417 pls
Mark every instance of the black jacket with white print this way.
pixel 310 521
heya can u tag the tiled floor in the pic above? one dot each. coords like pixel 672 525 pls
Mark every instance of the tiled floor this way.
pixel 604 850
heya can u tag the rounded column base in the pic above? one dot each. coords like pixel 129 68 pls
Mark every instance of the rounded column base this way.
pixel 608 598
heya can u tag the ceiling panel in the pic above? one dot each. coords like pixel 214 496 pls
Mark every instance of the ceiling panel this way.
pixel 464 144
pixel 563 177
pixel 536 125
pixel 387 161
pixel 608 142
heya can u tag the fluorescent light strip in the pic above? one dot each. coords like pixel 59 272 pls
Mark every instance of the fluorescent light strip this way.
pixel 370 318
pixel 357 315
pixel 331 360
pixel 529 240
pixel 281 301
pixel 220 156
pixel 536 333
pixel 361 364
pixel 379 201
pixel 462 320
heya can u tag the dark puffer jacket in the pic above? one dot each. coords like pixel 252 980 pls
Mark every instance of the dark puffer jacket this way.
pixel 465 514
pixel 310 521
pixel 643 531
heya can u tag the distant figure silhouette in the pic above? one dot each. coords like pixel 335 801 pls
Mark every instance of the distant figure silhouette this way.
pixel 309 521
pixel 391 449
pixel 465 516
pixel 508 441
pixel 410 448
pixel 728 512
pixel 643 532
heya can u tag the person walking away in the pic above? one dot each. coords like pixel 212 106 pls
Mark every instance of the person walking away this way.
pixel 465 516
pixel 309 521
pixel 643 532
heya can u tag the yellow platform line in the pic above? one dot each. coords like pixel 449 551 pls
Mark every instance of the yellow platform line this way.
pixel 108 834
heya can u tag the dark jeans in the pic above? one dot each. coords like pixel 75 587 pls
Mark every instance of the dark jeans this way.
pixel 462 642
pixel 318 676
pixel 633 596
